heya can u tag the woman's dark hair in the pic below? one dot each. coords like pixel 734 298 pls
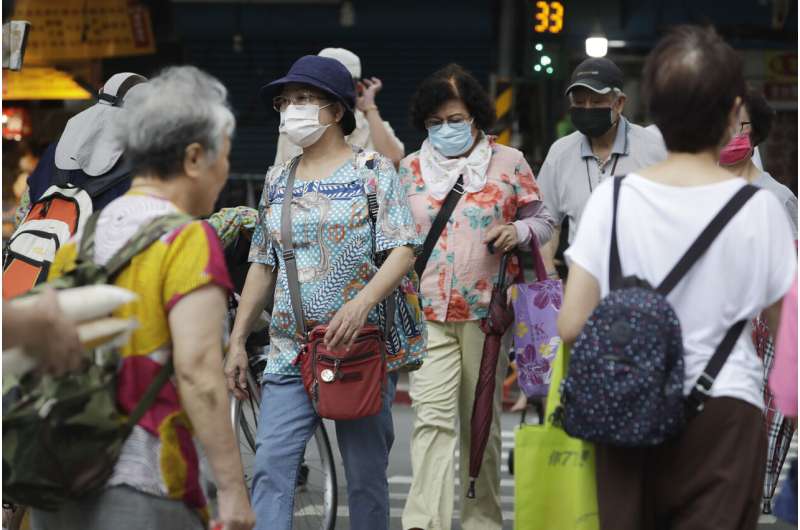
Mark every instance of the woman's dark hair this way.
pixel 692 79
pixel 761 114
pixel 452 82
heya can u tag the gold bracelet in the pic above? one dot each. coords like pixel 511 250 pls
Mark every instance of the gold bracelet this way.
pixel 374 107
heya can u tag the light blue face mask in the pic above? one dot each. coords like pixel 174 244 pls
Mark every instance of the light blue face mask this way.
pixel 451 139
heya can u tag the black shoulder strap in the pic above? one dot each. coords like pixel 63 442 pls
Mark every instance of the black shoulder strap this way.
pixel 438 225
pixel 117 100
pixel 60 177
pixel 701 390
pixel 706 237
pixel 614 264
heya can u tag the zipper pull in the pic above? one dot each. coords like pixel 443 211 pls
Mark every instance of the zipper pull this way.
pixel 336 373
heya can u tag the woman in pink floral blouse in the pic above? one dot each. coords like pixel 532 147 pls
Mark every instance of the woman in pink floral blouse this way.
pixel 501 205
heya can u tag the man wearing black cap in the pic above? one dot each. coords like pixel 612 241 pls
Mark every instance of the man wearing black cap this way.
pixel 605 144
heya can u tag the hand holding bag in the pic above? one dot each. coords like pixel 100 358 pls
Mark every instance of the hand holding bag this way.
pixel 536 340
pixel 342 385
pixel 554 474
pixel 345 385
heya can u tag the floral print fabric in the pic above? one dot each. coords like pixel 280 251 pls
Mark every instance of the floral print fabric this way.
pixel 228 223
pixel 458 279
pixel 333 244
pixel 536 340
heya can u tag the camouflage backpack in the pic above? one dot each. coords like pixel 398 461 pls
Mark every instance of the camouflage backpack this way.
pixel 62 435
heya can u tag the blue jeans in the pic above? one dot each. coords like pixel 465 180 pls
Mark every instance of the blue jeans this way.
pixel 286 424
pixel 785 507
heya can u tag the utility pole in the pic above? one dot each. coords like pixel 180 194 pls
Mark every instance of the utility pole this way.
pixel 503 86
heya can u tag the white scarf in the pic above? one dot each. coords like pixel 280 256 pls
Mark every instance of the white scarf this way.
pixel 441 173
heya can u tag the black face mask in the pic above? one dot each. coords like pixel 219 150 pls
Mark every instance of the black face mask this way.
pixel 594 122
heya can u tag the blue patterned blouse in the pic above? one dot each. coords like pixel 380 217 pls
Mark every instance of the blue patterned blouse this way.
pixel 333 243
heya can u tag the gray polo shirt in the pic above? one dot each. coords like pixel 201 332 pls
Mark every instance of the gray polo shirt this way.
pixel 571 171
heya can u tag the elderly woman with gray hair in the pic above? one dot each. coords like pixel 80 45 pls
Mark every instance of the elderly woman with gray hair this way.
pixel 177 135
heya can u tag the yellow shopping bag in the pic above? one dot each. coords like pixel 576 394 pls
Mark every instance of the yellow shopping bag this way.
pixel 554 477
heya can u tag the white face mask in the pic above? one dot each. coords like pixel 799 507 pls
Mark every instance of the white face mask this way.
pixel 301 124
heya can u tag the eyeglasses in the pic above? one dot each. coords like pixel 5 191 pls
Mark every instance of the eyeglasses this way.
pixel 455 119
pixel 744 127
pixel 279 103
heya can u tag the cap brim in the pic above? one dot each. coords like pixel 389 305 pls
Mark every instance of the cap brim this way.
pixel 268 90
pixel 591 85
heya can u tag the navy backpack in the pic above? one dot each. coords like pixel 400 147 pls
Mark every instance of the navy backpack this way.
pixel 625 381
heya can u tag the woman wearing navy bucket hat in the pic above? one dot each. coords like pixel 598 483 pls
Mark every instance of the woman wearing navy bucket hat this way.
pixel 332 272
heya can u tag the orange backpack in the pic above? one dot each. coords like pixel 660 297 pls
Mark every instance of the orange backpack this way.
pixel 53 219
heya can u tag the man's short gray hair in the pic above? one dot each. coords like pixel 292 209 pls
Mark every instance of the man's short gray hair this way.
pixel 180 106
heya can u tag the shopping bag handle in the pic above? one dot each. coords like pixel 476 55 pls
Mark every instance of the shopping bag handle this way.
pixel 554 392
pixel 538 262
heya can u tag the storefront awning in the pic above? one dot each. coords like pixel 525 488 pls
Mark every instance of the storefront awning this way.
pixel 34 82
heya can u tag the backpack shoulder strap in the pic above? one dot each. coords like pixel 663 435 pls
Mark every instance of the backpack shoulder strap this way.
pixel 390 305
pixel 614 264
pixel 150 394
pixel 706 237
pixel 86 246
pixel 701 390
pixel 368 163
pixel 143 238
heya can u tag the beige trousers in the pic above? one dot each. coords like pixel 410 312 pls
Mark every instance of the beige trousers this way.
pixel 442 394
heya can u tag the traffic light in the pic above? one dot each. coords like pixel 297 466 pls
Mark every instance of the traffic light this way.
pixel 543 60
pixel 545 23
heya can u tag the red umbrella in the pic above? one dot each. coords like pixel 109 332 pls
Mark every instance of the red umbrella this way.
pixel 501 316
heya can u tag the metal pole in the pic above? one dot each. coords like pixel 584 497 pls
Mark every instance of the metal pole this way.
pixel 506 45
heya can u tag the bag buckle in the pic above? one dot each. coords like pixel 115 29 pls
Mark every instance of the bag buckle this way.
pixel 702 387
pixel 459 188
pixel 288 254
pixel 703 384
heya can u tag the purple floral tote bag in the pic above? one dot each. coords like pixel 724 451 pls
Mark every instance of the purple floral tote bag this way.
pixel 536 340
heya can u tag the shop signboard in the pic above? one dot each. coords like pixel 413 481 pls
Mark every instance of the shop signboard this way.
pixel 78 30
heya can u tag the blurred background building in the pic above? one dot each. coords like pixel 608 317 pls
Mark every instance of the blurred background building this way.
pixel 523 50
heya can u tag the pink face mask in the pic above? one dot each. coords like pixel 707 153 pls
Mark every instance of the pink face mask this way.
pixel 737 150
